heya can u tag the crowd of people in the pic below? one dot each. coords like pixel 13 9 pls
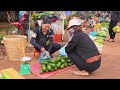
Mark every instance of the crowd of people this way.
pixel 80 49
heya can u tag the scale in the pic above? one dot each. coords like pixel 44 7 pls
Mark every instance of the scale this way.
pixel 25 67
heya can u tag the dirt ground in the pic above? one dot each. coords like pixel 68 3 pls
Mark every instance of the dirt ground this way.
pixel 109 69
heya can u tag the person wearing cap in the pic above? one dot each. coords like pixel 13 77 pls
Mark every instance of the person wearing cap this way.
pixel 81 50
pixel 42 38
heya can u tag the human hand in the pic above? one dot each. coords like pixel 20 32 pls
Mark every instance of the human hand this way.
pixel 42 49
pixel 118 24
pixel 47 53
pixel 34 35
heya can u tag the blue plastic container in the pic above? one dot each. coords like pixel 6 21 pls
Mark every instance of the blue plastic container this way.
pixel 93 33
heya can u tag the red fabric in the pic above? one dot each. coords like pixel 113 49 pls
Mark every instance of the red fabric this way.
pixel 14 23
pixel 35 69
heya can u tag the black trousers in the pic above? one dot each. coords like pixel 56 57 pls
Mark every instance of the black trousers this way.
pixel 111 26
pixel 82 65
pixel 42 42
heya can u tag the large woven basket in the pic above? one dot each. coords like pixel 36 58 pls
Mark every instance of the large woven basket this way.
pixel 15 46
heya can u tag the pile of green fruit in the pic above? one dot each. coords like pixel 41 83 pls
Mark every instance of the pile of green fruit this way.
pixel 103 38
pixel 101 41
pixel 101 34
pixel 53 65
pixel 105 24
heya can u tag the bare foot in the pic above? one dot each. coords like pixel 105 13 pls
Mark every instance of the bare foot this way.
pixel 81 73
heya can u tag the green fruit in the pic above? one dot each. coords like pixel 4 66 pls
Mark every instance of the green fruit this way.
pixel 65 57
pixel 43 65
pixel 1 76
pixel 62 60
pixel 58 58
pixel 51 61
pixel 65 64
pixel 55 68
pixel 41 71
pixel 45 62
pixel 68 61
pixel 44 68
pixel 49 67
pixel 42 62
pixel 5 75
pixel 62 66
pixel 53 65
pixel 58 65
pixel 69 64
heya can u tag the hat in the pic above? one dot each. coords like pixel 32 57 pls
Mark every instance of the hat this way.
pixel 46 21
pixel 73 22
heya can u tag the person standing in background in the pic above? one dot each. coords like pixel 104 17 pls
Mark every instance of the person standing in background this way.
pixel 115 20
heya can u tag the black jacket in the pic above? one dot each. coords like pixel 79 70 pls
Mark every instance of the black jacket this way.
pixel 82 44
pixel 40 35
pixel 115 16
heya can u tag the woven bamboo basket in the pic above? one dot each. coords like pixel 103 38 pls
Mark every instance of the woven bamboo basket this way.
pixel 15 46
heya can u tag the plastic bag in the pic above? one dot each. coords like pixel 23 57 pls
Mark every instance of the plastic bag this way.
pixel 43 57
pixel 62 52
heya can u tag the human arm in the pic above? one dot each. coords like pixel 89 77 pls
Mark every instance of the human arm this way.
pixel 72 44
pixel 33 42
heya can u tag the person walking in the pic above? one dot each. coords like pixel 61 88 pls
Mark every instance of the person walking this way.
pixel 115 20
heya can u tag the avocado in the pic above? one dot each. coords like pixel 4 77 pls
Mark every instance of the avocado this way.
pixel 65 57
pixel 62 66
pixel 41 71
pixel 49 67
pixel 51 61
pixel 62 60
pixel 45 62
pixel 65 64
pixel 55 68
pixel 44 68
pixel 58 58
pixel 42 62
pixel 58 65
pixel 68 61
pixel 69 64
pixel 53 65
